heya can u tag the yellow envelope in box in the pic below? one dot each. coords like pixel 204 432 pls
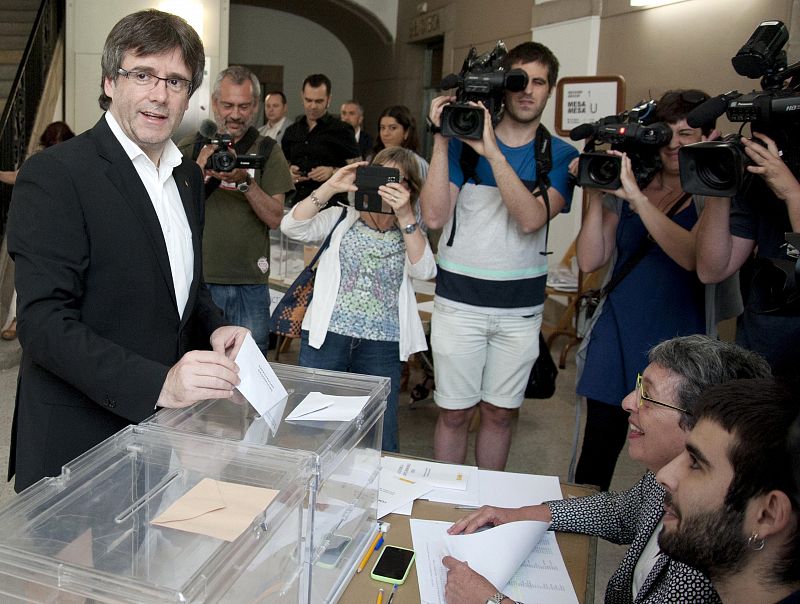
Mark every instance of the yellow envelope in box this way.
pixel 218 509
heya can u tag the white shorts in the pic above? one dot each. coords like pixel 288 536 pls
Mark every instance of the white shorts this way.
pixel 480 357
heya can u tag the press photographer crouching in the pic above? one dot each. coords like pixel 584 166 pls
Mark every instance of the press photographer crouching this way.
pixel 754 229
pixel 652 293
pixel 363 317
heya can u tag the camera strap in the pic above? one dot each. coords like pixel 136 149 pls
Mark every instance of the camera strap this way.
pixel 542 153
pixel 640 252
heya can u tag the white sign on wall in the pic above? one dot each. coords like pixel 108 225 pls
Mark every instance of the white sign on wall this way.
pixel 587 99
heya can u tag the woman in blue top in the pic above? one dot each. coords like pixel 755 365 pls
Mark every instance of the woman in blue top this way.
pixel 660 298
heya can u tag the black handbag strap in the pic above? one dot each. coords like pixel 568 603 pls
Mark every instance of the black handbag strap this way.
pixel 327 241
pixel 640 253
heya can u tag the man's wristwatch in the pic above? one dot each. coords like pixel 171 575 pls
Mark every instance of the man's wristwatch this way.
pixel 410 228
pixel 496 598
pixel 244 186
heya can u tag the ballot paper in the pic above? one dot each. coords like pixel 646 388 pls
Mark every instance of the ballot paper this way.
pixel 320 407
pixel 217 509
pixel 438 475
pixel 541 578
pixel 397 494
pixel 259 384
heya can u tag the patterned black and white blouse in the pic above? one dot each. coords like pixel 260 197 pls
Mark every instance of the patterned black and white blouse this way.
pixel 629 517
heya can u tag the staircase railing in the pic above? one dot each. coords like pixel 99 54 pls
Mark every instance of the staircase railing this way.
pixel 16 123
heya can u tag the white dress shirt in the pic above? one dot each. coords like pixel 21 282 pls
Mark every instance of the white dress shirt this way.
pixel 167 203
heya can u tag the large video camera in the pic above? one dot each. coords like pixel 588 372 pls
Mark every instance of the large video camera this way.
pixel 481 79
pixel 634 132
pixel 719 168
pixel 225 158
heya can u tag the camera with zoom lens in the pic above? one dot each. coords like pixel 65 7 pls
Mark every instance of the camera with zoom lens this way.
pixel 225 158
pixel 719 168
pixel 633 132
pixel 482 78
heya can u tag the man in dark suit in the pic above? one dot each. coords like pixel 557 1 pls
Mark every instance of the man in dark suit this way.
pixel 105 231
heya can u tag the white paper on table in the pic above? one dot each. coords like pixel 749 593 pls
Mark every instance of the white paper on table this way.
pixel 428 543
pixel 396 492
pixel 482 550
pixel 541 579
pixel 439 475
pixel 259 384
pixel 511 490
pixel 320 407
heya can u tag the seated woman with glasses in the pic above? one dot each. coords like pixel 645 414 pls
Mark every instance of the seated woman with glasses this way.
pixel 648 235
pixel 660 411
pixel 363 316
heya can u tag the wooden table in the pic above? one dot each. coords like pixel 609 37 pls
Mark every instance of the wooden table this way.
pixel 579 553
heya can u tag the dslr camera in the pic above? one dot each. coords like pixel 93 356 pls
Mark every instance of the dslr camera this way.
pixel 634 132
pixel 482 78
pixel 719 168
pixel 225 158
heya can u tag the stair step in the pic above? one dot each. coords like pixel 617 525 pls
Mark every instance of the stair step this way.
pixel 11 56
pixel 8 71
pixel 16 16
pixel 22 4
pixel 13 42
pixel 19 28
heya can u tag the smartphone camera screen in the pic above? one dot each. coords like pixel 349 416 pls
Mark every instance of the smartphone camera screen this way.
pixel 393 564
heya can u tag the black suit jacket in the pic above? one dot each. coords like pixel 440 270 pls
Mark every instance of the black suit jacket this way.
pixel 97 315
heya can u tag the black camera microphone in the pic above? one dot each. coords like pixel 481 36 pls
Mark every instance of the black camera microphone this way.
pixel 583 131
pixel 450 81
pixel 208 128
pixel 710 110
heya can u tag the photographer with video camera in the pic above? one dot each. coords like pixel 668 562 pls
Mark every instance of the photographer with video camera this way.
pixel 246 181
pixel 749 231
pixel 496 179
pixel 652 293
pixel 363 317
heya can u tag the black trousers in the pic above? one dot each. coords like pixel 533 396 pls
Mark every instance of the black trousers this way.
pixel 603 439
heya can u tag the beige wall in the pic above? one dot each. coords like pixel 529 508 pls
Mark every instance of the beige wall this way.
pixel 683 45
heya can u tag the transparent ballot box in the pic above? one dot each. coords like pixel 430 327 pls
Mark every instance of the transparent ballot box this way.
pixel 288 257
pixel 87 535
pixel 341 514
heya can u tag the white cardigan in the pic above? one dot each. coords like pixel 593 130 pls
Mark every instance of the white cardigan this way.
pixel 329 272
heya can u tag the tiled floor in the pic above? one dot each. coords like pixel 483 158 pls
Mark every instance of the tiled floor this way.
pixel 541 444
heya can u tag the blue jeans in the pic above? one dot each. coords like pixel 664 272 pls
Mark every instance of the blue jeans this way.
pixel 245 305
pixel 369 357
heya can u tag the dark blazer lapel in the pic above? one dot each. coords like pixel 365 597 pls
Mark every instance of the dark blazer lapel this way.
pixel 123 175
pixel 185 174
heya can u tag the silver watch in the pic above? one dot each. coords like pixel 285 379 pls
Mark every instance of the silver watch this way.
pixel 496 598
pixel 244 186
pixel 410 228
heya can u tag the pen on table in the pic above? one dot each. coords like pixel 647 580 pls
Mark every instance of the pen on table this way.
pixel 380 596
pixel 314 410
pixel 370 549
pixel 391 595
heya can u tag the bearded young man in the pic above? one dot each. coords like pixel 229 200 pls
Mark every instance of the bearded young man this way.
pixel 732 504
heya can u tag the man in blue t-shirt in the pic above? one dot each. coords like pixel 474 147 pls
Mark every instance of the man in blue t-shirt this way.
pixel 492 270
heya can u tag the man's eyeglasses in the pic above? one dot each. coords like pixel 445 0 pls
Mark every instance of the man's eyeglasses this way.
pixel 643 397
pixel 143 78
